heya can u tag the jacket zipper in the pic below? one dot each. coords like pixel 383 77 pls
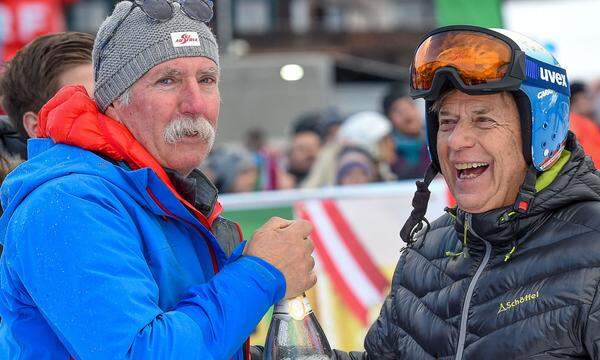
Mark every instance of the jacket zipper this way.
pixel 465 310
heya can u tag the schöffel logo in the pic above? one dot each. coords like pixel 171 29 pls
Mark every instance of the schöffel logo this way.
pixel 189 38
pixel 553 76
pixel 508 305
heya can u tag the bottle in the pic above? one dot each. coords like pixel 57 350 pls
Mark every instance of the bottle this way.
pixel 295 333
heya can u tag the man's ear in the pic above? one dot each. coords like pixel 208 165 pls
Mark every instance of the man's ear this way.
pixel 30 123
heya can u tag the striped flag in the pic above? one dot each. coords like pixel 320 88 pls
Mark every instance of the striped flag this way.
pixel 354 273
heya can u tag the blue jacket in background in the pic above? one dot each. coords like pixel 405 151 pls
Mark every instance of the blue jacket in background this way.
pixel 94 268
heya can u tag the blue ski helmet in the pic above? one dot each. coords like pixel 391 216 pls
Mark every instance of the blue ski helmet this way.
pixel 480 61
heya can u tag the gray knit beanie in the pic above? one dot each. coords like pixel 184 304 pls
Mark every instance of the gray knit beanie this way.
pixel 123 55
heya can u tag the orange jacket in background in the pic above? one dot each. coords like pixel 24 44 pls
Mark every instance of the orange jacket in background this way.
pixel 588 135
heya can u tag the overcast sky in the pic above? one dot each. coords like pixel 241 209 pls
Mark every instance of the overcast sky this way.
pixel 572 27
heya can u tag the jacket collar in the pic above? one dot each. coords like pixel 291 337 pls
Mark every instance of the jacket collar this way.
pixel 196 188
pixel 71 117
pixel 500 227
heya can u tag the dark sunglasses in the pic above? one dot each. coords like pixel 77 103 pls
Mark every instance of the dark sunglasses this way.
pixel 162 10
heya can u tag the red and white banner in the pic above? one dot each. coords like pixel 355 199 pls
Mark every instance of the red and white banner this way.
pixel 352 270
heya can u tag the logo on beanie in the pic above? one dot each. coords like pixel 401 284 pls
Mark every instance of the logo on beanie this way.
pixel 188 38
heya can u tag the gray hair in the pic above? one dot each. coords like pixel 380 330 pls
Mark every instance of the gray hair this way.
pixel 437 104
pixel 125 98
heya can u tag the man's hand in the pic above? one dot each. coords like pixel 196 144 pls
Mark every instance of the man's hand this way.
pixel 285 245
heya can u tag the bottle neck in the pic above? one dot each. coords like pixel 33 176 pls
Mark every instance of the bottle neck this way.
pixel 298 308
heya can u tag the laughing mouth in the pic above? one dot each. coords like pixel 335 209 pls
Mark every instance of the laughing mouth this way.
pixel 470 170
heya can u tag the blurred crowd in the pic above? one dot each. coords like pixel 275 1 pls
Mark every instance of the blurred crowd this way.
pixel 326 148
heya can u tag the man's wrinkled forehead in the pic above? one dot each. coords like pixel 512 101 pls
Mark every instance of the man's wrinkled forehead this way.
pixel 181 68
pixel 456 102
pixel 181 72
pixel 469 106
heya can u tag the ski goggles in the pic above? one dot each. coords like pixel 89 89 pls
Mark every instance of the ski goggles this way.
pixel 162 10
pixel 477 61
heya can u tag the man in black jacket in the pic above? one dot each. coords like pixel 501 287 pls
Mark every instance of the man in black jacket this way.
pixel 514 270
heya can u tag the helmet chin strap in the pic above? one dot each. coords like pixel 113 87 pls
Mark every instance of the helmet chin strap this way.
pixel 415 221
pixel 420 200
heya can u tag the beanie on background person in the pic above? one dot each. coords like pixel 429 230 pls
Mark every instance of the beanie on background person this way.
pixel 129 43
pixel 352 158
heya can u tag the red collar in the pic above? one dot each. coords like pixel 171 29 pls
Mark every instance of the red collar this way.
pixel 71 117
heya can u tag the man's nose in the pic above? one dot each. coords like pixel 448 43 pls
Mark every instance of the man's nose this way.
pixel 462 136
pixel 193 101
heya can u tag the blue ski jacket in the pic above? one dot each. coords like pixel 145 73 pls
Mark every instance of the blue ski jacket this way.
pixel 102 261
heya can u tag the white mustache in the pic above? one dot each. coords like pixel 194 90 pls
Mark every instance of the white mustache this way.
pixel 185 126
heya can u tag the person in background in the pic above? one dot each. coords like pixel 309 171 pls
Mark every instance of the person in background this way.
pixel 305 145
pixel 368 130
pixel 232 169
pixel 355 165
pixel 371 131
pixel 594 88
pixel 271 175
pixel 581 123
pixel 37 72
pixel 408 133
pixel 13 150
pixel 330 123
pixel 30 79
pixel 582 100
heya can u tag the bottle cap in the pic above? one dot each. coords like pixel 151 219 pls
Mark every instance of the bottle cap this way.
pixel 299 307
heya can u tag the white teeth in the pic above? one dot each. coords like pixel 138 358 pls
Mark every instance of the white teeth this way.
pixel 463 166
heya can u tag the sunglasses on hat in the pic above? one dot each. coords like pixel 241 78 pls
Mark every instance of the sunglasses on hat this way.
pixel 162 10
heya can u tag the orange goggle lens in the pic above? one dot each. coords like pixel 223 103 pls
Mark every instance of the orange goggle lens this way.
pixel 478 58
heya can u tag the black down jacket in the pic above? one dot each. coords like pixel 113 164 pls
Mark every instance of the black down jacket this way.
pixel 539 301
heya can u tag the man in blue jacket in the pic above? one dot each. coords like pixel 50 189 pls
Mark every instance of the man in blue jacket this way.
pixel 114 247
